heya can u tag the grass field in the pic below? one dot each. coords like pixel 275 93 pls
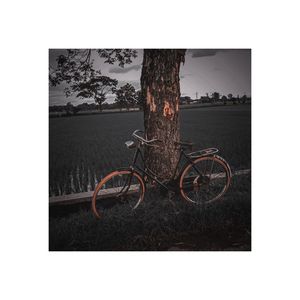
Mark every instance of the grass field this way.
pixel 84 149
pixel 158 225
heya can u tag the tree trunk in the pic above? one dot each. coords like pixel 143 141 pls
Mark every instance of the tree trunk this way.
pixel 161 91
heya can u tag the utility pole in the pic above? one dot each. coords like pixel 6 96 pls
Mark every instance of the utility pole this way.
pixel 196 95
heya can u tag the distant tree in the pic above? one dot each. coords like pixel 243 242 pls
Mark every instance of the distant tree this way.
pixel 95 88
pixel 205 99
pixel 105 106
pixel 92 106
pixel 126 96
pixel 188 99
pixel 244 99
pixel 215 96
pixel 83 106
pixel 76 109
pixel 57 108
pixel 69 108
pixel 224 99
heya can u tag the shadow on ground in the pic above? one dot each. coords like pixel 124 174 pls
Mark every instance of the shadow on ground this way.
pixel 159 225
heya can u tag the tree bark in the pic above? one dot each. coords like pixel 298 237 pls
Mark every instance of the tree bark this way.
pixel 161 90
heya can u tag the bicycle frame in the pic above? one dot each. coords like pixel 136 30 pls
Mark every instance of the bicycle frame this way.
pixel 149 173
pixel 179 182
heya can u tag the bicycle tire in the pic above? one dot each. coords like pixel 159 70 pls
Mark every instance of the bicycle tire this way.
pixel 191 185
pixel 105 190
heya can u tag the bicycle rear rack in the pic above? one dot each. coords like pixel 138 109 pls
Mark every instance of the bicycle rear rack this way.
pixel 203 152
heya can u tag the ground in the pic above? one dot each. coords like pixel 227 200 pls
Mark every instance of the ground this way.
pixel 158 225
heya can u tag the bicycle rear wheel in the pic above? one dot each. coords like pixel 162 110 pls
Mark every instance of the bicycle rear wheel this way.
pixel 123 188
pixel 205 180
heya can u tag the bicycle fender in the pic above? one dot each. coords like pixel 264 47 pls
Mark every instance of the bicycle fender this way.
pixel 225 162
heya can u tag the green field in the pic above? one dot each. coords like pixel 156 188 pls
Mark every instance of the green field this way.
pixel 83 149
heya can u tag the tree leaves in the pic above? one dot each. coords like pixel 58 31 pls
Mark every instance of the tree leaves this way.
pixel 122 56
pixel 76 68
pixel 126 96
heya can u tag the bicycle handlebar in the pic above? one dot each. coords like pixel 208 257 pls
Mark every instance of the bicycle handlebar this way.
pixel 149 142
pixel 141 139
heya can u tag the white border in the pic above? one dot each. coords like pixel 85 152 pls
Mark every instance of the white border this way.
pixel 29 28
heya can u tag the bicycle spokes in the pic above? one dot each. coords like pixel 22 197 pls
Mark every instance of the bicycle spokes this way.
pixel 205 180
pixel 118 188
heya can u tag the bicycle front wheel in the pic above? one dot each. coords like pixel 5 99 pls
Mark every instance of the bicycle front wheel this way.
pixel 205 180
pixel 124 189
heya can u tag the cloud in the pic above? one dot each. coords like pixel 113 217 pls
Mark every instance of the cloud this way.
pixel 213 52
pixel 124 70
pixel 205 52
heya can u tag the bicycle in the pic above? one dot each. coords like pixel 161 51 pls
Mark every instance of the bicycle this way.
pixel 204 178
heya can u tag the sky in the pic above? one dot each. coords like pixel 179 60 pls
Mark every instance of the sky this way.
pixel 204 71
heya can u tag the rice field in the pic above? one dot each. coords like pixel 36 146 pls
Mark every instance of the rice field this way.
pixel 83 149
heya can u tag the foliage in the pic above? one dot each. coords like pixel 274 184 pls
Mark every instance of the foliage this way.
pixel 215 96
pixel 96 88
pixel 120 56
pixel 77 69
pixel 69 108
pixel 126 96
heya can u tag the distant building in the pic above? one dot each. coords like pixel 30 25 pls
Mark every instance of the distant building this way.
pixel 204 99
